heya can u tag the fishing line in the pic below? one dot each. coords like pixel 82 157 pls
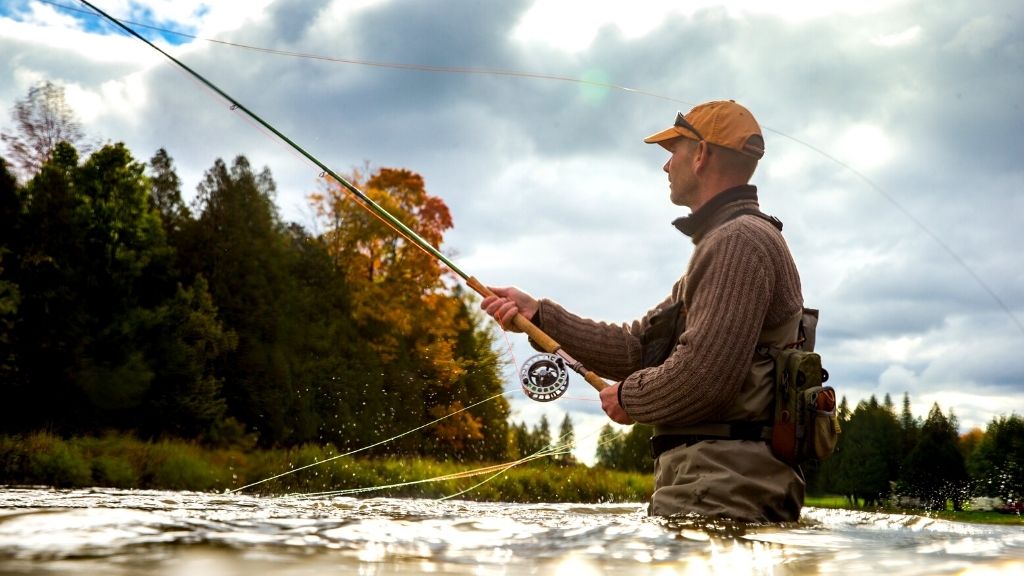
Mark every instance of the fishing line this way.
pixel 556 448
pixel 542 76
pixel 364 448
pixel 453 476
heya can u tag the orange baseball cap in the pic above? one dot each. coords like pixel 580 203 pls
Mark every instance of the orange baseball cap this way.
pixel 722 122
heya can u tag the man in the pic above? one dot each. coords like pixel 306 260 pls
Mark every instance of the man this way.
pixel 691 367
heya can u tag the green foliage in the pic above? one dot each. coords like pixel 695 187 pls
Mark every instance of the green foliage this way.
pixel 867 456
pixel 997 463
pixel 629 451
pixel 127 462
pixel 934 471
pixel 10 294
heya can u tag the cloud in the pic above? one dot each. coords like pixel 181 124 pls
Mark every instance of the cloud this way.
pixel 893 132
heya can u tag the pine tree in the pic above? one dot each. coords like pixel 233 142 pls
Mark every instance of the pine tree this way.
pixel 935 471
pixel 567 438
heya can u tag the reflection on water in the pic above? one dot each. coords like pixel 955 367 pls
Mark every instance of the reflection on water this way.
pixel 179 533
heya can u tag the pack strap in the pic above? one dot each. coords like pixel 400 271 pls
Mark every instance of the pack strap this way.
pixel 755 212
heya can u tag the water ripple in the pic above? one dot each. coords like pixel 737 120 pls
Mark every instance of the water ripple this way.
pixel 149 532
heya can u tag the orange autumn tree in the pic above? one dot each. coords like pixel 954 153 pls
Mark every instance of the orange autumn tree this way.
pixel 404 303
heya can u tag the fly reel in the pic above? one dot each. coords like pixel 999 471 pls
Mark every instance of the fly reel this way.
pixel 544 377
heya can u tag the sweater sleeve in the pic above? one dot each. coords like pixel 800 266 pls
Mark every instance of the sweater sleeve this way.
pixel 611 350
pixel 728 290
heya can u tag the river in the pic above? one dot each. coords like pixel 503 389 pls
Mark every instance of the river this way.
pixel 113 532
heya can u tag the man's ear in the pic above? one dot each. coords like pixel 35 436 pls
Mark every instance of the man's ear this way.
pixel 701 156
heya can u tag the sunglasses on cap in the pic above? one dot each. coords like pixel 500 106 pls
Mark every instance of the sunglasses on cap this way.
pixel 682 123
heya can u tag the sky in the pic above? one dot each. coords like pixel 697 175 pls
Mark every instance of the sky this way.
pixel 894 149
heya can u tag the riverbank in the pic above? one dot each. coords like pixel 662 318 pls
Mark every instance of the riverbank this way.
pixel 971 516
pixel 127 462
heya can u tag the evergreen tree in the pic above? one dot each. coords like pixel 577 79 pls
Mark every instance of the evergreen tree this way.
pixel 869 448
pixel 609 447
pixel 10 294
pixel 908 429
pixel 541 435
pixel 629 451
pixel 480 380
pixel 94 267
pixel 239 245
pixel 935 471
pixel 523 445
pixel 636 452
pixel 566 437
pixel 184 344
pixel 165 192
pixel 997 465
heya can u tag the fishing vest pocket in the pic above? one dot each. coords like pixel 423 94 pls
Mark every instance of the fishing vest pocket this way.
pixel 824 422
pixel 806 425
pixel 659 339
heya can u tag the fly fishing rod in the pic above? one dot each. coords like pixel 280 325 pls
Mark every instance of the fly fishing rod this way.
pixel 544 376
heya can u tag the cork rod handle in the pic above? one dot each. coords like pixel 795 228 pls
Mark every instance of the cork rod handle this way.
pixel 547 343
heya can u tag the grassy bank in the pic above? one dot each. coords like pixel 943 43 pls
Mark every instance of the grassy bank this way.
pixel 125 462
pixel 975 516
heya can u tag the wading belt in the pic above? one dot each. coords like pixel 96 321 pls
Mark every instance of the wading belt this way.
pixel 725 431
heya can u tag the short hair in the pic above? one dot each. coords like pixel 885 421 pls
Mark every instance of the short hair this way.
pixel 732 162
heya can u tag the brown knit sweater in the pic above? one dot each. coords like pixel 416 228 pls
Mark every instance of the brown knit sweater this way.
pixel 740 279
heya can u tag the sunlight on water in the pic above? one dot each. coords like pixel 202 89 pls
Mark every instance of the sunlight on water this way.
pixel 189 534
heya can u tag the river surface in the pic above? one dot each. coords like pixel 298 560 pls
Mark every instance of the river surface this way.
pixel 113 532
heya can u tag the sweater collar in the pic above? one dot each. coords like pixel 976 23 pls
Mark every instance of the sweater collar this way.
pixel 697 223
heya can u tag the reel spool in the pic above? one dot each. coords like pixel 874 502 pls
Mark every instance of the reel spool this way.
pixel 544 377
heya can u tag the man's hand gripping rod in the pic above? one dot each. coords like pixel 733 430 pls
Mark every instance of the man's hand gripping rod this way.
pixel 543 377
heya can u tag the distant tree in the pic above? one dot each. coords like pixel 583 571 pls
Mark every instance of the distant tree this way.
pixel 629 451
pixel 609 447
pixel 566 437
pixel 93 270
pixel 636 452
pixel 541 434
pixel 405 309
pixel 969 443
pixel 997 464
pixel 165 191
pixel 529 441
pixel 869 447
pixel 521 442
pixel 10 295
pixel 935 471
pixel 844 410
pixel 185 342
pixel 480 379
pixel 42 120
pixel 909 427
pixel 240 246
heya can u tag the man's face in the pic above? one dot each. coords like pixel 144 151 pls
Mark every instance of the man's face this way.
pixel 681 179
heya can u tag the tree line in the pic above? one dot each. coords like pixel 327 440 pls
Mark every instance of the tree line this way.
pixel 124 308
pixel 885 456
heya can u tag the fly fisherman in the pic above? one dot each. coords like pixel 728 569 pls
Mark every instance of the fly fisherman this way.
pixel 690 367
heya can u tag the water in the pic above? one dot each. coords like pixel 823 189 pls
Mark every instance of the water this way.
pixel 113 532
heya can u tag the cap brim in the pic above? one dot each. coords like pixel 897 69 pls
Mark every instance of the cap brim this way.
pixel 665 136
